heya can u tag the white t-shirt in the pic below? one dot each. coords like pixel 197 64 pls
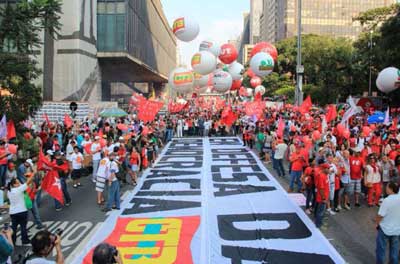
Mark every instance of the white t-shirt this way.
pixel 113 168
pixel 70 151
pixel 17 201
pixel 280 150
pixel 76 160
pixel 40 261
pixel 104 168
pixel 390 211
pixel 207 125
pixel 96 147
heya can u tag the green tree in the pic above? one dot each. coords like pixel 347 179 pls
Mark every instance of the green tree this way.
pixel 21 26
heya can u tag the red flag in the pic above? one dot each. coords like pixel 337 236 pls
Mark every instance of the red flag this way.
pixel 68 121
pixel 219 103
pixel 52 185
pixel 281 127
pixel 148 109
pixel 11 130
pixel 254 109
pixel 228 116
pixel 306 105
pixel 394 124
pixel 46 117
pixel 331 114
pixel 257 97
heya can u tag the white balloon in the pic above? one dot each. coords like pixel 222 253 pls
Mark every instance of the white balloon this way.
pixel 204 62
pixel 205 80
pixel 249 92
pixel 236 70
pixel 260 89
pixel 201 90
pixel 388 80
pixel 222 81
pixel 185 29
pixel 181 79
pixel 211 46
pixel 197 78
pixel 262 64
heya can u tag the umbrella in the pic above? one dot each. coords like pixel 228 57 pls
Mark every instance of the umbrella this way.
pixel 113 112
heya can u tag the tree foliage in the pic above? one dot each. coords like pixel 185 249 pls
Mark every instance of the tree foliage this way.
pixel 21 28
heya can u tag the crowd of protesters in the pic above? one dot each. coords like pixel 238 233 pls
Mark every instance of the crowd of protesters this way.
pixel 336 166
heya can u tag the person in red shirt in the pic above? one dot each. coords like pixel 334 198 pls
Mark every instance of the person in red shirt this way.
pixel 134 162
pixel 322 193
pixel 308 182
pixel 356 172
pixel 298 162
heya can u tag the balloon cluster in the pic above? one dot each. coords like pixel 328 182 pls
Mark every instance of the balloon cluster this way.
pixel 215 67
pixel 388 80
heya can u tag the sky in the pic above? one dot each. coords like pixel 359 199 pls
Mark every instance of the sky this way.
pixel 219 20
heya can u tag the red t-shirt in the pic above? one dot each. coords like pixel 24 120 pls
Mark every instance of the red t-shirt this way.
pixel 298 163
pixel 3 161
pixel 393 154
pixel 134 160
pixel 356 165
pixel 322 185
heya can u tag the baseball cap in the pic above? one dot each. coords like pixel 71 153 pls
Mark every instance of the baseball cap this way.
pixel 30 162
pixel 50 152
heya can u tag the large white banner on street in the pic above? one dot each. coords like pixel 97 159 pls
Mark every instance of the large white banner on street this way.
pixel 211 200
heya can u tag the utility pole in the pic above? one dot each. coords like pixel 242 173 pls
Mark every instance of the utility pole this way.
pixel 299 67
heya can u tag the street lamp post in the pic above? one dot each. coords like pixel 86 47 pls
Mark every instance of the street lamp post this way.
pixel 370 63
pixel 299 68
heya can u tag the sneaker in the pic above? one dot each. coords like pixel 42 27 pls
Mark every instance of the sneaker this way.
pixel 75 186
pixel 339 207
pixel 68 204
pixel 347 207
pixel 336 210
pixel 331 212
pixel 94 181
pixel 308 211
pixel 39 227
pixel 79 184
pixel 105 210
pixel 58 209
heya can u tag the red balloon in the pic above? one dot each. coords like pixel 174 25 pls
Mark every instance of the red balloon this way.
pixel 228 53
pixel 366 130
pixel 265 47
pixel 236 84
pixel 316 135
pixel 340 129
pixel 346 133
pixel 250 73
pixel 255 81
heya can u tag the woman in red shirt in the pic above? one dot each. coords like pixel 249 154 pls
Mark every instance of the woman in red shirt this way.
pixel 134 162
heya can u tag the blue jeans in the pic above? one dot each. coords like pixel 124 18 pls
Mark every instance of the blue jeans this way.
pixel 279 167
pixel 310 197
pixel 38 198
pixel 3 170
pixel 35 212
pixel 295 176
pixel 113 195
pixel 381 240
pixel 67 197
pixel 319 214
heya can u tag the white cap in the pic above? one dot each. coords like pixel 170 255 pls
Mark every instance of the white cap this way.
pixel 121 138
pixel 50 152
pixel 96 137
pixel 30 162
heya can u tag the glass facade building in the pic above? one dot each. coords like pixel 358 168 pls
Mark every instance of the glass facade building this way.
pixel 327 17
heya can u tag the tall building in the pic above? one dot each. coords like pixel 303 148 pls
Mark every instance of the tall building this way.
pixel 106 48
pixel 244 38
pixel 256 7
pixel 328 17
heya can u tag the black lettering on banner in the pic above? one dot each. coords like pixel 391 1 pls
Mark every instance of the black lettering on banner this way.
pixel 231 155
pixel 194 184
pixel 190 152
pixel 236 161
pixel 296 229
pixel 217 168
pixel 170 173
pixel 187 144
pixel 188 158
pixel 224 141
pixel 263 255
pixel 144 205
pixel 239 177
pixel 234 189
pixel 229 151
pixel 179 165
